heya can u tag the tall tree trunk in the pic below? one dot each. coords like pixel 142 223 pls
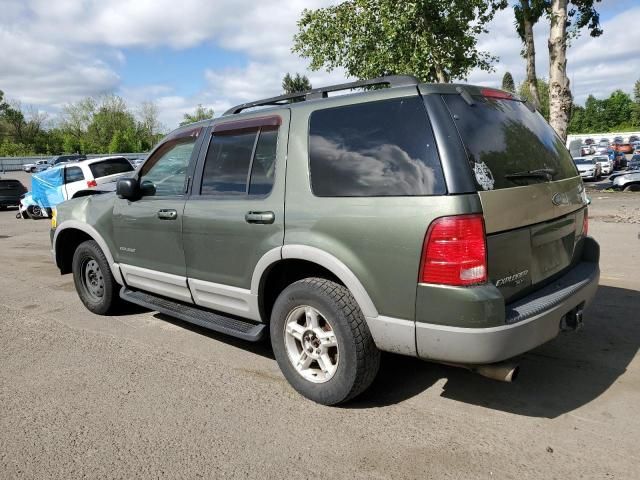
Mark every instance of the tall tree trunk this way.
pixel 441 75
pixel 530 53
pixel 560 98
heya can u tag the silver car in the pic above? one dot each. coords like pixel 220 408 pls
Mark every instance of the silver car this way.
pixel 629 182
pixel 589 169
pixel 606 165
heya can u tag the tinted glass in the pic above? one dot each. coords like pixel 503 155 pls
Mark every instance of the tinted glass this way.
pixel 167 168
pixel 264 163
pixel 504 137
pixel 226 167
pixel 383 148
pixel 73 174
pixel 111 166
pixel 583 161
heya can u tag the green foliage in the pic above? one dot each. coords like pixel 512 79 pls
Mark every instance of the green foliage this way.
pixel 102 125
pixel 543 90
pixel 200 113
pixel 508 83
pixel 299 83
pixel 435 40
pixel 530 10
pixel 614 113
pixel 635 108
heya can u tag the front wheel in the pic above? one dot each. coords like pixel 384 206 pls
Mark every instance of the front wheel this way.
pixel 321 341
pixel 92 277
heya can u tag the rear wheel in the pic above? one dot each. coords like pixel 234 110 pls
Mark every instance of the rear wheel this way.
pixel 94 282
pixel 634 187
pixel 321 341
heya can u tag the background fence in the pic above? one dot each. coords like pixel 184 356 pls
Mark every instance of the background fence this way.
pixel 12 164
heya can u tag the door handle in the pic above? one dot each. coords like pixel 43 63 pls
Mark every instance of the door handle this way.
pixel 167 214
pixel 260 217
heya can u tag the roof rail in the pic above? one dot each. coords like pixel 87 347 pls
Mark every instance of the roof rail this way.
pixel 322 92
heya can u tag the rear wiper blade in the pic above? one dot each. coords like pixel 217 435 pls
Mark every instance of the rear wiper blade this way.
pixel 546 173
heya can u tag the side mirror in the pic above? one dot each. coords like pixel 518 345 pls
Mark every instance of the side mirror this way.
pixel 127 188
pixel 147 188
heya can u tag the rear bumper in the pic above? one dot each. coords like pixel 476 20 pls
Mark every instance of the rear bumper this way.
pixel 531 321
pixel 526 323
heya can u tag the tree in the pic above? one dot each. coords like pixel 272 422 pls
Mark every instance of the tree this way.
pixel 635 108
pixel 299 83
pixel 542 85
pixel 435 40
pixel 507 83
pixel 566 22
pixel 149 124
pixel 527 14
pixel 200 113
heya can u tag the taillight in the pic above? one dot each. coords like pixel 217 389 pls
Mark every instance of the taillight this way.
pixel 92 183
pixel 493 93
pixel 585 223
pixel 455 251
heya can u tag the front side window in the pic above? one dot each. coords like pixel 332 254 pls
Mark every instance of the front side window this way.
pixel 73 174
pixel 165 172
pixel 240 163
pixel 383 148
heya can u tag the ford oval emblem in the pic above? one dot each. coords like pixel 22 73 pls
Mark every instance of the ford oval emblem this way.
pixel 560 199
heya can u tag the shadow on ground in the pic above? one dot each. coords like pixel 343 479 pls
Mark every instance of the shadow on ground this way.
pixel 556 378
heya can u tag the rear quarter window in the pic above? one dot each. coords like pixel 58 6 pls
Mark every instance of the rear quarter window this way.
pixel 111 166
pixel 383 148
pixel 504 137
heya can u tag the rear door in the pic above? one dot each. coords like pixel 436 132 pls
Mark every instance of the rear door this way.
pixel 532 195
pixel 236 211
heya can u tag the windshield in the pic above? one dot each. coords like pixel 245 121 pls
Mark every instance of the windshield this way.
pixel 583 161
pixel 509 145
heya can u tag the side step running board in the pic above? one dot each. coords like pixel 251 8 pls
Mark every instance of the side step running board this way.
pixel 235 327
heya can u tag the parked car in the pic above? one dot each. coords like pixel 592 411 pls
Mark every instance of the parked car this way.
pixel 622 147
pixel 57 160
pixel 437 243
pixel 10 192
pixel 629 182
pixel 606 164
pixel 619 159
pixel 589 169
pixel 587 149
pixel 604 141
pixel 618 140
pixel 38 166
pixel 634 163
pixel 136 162
pixel 589 141
pixel 602 149
pixel 70 180
pixel 633 139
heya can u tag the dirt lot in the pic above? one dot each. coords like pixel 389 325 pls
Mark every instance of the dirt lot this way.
pixel 142 395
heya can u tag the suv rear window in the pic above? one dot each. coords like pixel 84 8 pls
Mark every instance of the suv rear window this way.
pixel 503 138
pixel 383 148
pixel 111 166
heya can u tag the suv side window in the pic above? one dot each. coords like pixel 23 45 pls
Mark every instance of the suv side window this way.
pixel 383 148
pixel 167 168
pixel 73 174
pixel 240 163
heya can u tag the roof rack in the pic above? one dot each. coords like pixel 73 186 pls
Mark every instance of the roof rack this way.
pixel 322 92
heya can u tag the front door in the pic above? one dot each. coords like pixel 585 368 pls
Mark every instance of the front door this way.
pixel 148 231
pixel 235 213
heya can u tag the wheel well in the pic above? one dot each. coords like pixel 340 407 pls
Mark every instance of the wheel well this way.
pixel 282 274
pixel 66 244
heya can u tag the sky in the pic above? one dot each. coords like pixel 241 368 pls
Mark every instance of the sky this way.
pixel 223 52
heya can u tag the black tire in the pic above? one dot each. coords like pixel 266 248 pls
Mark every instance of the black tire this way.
pixel 359 358
pixel 90 264
pixel 3 207
pixel 634 187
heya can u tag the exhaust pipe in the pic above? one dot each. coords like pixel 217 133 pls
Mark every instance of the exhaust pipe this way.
pixel 504 371
pixel 501 371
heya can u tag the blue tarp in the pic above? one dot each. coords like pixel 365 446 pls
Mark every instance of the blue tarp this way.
pixel 47 187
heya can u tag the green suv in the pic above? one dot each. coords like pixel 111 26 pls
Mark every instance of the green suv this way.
pixel 445 222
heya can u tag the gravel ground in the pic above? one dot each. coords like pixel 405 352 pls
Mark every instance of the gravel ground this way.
pixel 141 395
